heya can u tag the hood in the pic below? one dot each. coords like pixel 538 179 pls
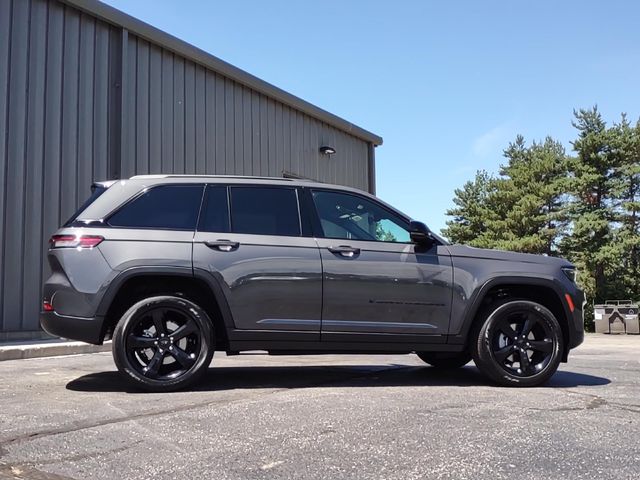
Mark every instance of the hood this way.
pixel 472 252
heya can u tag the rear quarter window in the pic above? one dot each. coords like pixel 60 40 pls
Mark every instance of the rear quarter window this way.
pixel 169 207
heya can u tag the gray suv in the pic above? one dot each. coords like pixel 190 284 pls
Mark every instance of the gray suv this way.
pixel 175 267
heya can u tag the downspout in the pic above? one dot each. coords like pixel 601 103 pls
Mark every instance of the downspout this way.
pixel 372 168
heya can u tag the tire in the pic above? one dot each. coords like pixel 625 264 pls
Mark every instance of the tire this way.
pixel 445 360
pixel 163 343
pixel 519 344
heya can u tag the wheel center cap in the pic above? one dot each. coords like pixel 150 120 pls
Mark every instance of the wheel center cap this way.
pixel 164 342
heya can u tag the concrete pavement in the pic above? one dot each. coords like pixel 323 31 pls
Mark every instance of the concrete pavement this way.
pixel 320 417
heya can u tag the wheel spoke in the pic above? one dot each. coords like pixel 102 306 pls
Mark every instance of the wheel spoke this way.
pixel 185 330
pixel 158 321
pixel 138 342
pixel 545 346
pixel 525 365
pixel 508 330
pixel 502 354
pixel 182 357
pixel 153 367
pixel 528 326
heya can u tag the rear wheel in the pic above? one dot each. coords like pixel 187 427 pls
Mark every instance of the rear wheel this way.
pixel 445 360
pixel 163 343
pixel 519 344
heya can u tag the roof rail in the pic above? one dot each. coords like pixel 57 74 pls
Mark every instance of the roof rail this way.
pixel 248 177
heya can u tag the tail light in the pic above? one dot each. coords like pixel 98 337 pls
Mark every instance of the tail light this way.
pixel 46 306
pixel 75 241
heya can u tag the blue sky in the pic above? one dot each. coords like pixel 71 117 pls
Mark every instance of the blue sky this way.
pixel 447 84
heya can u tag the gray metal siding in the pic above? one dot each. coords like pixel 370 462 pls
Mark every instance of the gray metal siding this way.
pixel 53 138
pixel 182 118
pixel 82 99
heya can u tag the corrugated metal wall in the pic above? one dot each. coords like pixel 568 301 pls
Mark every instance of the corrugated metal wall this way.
pixel 82 100
pixel 180 117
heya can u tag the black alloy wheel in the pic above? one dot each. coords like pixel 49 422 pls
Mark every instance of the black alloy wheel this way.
pixel 519 344
pixel 163 343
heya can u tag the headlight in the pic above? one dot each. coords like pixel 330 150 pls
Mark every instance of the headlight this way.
pixel 571 273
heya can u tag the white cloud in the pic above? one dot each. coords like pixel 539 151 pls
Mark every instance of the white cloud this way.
pixel 492 142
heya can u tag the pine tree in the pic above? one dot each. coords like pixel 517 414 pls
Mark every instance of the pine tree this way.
pixel 520 210
pixel 585 208
pixel 471 211
pixel 529 194
pixel 626 145
pixel 594 175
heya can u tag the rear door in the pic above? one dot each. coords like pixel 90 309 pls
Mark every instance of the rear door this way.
pixel 251 239
pixel 375 280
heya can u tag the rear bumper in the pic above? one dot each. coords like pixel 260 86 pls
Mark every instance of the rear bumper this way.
pixel 73 328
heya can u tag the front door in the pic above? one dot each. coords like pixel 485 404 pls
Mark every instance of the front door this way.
pixel 250 239
pixel 375 281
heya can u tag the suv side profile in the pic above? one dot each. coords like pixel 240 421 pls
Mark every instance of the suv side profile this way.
pixel 175 267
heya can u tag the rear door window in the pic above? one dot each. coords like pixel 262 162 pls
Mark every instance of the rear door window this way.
pixel 265 211
pixel 170 207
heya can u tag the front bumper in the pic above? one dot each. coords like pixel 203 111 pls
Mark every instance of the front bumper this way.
pixel 576 325
pixel 84 329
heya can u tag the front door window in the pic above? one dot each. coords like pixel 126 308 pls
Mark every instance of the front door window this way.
pixel 355 218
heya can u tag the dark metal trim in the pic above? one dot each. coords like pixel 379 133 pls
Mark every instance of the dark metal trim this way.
pixel 372 168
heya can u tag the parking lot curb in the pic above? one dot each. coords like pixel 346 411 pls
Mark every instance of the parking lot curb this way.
pixel 17 351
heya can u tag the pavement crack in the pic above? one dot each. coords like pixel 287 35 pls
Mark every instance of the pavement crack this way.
pixel 596 401
pixel 85 425
pixel 75 458
pixel 75 427
pixel 18 472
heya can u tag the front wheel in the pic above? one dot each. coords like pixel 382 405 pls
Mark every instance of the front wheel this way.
pixel 163 343
pixel 519 344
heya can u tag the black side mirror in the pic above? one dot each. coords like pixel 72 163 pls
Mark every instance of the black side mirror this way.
pixel 420 233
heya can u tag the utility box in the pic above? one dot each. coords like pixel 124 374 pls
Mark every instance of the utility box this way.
pixel 601 319
pixel 631 319
pixel 617 316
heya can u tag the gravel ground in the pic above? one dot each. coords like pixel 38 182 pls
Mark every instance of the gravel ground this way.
pixel 322 417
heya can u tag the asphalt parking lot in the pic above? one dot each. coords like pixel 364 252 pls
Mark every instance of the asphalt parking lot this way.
pixel 321 417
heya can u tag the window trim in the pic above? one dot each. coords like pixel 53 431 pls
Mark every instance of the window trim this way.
pixel 230 187
pixel 207 186
pixel 139 194
pixel 317 225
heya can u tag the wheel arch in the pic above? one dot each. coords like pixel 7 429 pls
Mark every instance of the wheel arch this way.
pixel 136 283
pixel 545 291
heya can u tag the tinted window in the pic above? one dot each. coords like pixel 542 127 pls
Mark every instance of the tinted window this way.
pixel 172 207
pixel 353 217
pixel 96 191
pixel 215 210
pixel 265 211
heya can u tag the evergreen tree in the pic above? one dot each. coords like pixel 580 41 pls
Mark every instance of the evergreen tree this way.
pixel 585 208
pixel 471 210
pixel 519 211
pixel 625 282
pixel 528 197
pixel 592 209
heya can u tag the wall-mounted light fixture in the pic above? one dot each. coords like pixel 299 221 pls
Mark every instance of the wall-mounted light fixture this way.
pixel 326 150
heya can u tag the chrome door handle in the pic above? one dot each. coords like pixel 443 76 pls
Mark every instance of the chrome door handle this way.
pixel 345 251
pixel 222 245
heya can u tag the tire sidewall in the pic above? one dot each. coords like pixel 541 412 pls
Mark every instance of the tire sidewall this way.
pixel 484 357
pixel 129 319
